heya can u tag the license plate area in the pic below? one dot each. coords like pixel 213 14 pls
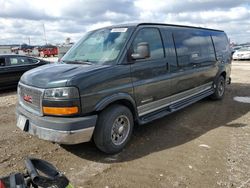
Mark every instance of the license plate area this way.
pixel 22 123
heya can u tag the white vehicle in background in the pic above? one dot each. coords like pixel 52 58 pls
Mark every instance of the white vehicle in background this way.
pixel 242 54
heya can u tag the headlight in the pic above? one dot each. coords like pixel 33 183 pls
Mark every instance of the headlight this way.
pixel 63 101
pixel 61 93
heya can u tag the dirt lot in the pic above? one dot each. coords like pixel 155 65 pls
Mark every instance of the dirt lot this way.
pixel 204 145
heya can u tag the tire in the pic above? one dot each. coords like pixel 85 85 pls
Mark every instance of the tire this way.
pixel 220 87
pixel 114 128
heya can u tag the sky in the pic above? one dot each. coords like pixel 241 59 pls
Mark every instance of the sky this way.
pixel 21 20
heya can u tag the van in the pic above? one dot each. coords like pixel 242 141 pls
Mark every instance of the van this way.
pixel 117 76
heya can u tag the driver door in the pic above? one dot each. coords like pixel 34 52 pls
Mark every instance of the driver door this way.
pixel 149 74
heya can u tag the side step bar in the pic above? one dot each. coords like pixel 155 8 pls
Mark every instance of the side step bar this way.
pixel 174 107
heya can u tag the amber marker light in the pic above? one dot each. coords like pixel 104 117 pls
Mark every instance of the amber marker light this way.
pixel 60 110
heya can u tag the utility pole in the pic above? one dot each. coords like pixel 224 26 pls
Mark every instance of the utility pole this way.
pixel 44 32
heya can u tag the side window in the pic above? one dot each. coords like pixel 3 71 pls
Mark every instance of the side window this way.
pixel 33 61
pixel 220 42
pixel 170 49
pixel 207 50
pixel 2 62
pixel 153 38
pixel 193 47
pixel 221 45
pixel 18 61
pixel 13 61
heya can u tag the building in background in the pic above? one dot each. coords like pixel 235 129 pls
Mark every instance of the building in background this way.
pixel 5 49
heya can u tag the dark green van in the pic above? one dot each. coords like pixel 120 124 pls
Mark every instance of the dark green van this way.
pixel 119 75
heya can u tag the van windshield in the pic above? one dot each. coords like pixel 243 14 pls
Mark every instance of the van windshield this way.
pixel 99 46
pixel 244 49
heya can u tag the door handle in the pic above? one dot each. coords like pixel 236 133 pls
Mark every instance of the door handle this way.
pixel 195 65
pixel 167 66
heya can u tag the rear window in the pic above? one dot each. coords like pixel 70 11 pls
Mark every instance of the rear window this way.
pixel 244 49
pixel 221 45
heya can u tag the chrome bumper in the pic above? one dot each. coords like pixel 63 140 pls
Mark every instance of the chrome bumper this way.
pixel 62 137
pixel 64 130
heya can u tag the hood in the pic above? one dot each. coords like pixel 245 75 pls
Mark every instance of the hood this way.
pixel 56 75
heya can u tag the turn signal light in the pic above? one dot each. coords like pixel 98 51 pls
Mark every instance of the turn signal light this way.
pixel 60 110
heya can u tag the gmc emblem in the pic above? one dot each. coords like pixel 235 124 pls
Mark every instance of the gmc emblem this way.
pixel 27 98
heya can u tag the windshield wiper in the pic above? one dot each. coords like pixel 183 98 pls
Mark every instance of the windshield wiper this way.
pixel 78 61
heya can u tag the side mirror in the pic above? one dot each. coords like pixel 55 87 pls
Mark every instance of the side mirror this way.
pixel 142 51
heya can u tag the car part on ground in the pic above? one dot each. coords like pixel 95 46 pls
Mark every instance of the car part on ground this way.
pixel 40 173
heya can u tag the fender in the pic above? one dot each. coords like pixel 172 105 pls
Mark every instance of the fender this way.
pixel 220 71
pixel 113 98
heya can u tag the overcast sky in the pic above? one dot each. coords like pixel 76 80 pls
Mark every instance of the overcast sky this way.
pixel 21 19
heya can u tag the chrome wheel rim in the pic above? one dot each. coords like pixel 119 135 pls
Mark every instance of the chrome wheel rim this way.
pixel 120 130
pixel 221 88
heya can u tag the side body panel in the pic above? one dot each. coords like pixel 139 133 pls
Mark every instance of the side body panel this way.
pixel 223 53
pixel 195 71
pixel 107 85
pixel 180 81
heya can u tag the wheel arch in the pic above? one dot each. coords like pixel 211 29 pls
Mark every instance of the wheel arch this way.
pixel 224 74
pixel 220 73
pixel 119 98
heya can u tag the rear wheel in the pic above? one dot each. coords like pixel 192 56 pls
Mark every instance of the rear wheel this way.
pixel 220 87
pixel 113 129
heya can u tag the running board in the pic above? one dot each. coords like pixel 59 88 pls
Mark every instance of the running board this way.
pixel 174 107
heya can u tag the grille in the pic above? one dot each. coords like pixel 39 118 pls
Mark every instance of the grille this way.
pixel 30 98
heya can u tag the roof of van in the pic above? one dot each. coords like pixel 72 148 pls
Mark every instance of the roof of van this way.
pixel 162 24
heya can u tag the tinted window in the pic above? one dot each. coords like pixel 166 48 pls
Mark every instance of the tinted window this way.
pixel 33 61
pixel 2 62
pixel 221 45
pixel 170 49
pixel 18 61
pixel 220 42
pixel 153 38
pixel 193 47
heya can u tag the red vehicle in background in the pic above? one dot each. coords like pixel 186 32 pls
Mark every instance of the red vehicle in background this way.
pixel 48 50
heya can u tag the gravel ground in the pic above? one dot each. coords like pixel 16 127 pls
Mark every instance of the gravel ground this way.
pixel 203 145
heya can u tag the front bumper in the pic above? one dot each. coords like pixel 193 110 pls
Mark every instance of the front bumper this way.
pixel 72 130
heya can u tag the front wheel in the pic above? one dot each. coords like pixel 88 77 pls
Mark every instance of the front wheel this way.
pixel 113 129
pixel 220 86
